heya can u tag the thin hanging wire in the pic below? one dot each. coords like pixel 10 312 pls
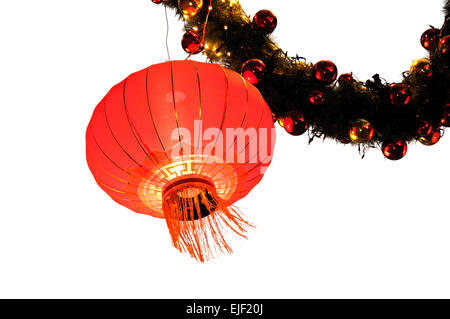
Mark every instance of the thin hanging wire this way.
pixel 167 33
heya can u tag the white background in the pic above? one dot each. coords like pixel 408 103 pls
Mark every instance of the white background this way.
pixel 330 225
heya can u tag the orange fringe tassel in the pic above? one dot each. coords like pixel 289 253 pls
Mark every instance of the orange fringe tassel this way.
pixel 197 217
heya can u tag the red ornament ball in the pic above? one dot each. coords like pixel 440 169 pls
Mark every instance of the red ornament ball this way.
pixel 422 67
pixel 445 121
pixel 295 123
pixel 399 94
pixel 444 45
pixel 431 139
pixel 190 8
pixel 425 129
pixel 346 79
pixel 157 1
pixel 316 97
pixel 192 42
pixel 361 131
pixel 325 72
pixel 265 20
pixel 395 150
pixel 254 71
pixel 430 39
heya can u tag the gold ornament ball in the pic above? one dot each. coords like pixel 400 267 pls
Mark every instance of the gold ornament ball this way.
pixel 190 8
pixel 361 131
pixel 281 121
pixel 430 139
pixel 422 66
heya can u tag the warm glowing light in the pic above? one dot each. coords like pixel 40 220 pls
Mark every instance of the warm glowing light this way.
pixel 222 175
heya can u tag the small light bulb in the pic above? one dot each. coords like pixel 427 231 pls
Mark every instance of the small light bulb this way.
pixel 225 27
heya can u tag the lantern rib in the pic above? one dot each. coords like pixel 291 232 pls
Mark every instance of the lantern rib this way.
pixel 103 185
pixel 115 139
pixel 200 100
pixel 153 120
pixel 175 105
pixel 257 128
pixel 117 178
pixel 245 114
pixel 223 116
pixel 106 155
pixel 251 169
pixel 100 182
pixel 118 199
pixel 226 99
pixel 134 132
pixel 115 164
pixel 200 104
pixel 103 169
pixel 259 125
pixel 111 188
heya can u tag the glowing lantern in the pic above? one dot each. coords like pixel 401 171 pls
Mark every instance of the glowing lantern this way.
pixel 183 141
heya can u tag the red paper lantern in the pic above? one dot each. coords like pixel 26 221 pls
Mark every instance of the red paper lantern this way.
pixel 183 141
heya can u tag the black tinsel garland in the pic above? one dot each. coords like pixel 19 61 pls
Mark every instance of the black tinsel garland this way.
pixel 289 80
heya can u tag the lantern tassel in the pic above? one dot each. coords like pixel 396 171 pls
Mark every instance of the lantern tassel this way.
pixel 198 220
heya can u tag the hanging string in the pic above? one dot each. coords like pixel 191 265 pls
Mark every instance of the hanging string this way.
pixel 167 33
